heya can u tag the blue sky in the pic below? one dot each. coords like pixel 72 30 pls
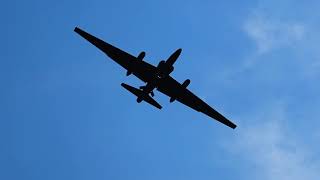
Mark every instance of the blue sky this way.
pixel 257 62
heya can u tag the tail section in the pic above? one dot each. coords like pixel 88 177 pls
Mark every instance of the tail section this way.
pixel 141 95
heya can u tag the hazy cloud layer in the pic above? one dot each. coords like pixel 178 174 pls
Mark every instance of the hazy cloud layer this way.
pixel 272 149
pixel 268 140
pixel 275 31
pixel 269 34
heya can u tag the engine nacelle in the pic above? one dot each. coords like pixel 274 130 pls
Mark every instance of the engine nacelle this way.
pixel 164 69
pixel 141 56
pixel 184 85
pixel 139 99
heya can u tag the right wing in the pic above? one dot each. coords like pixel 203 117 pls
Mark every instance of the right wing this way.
pixel 143 70
pixel 172 88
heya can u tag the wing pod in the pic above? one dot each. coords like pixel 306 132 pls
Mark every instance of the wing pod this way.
pixel 184 85
pixel 140 58
pixel 141 55
pixel 141 96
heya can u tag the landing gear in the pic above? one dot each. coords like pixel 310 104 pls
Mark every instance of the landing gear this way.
pixel 145 89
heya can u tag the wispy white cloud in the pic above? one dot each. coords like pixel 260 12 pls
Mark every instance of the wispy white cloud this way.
pixel 269 34
pixel 287 47
pixel 272 149
pixel 276 32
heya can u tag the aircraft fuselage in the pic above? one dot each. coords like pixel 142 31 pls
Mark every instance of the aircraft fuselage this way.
pixel 164 69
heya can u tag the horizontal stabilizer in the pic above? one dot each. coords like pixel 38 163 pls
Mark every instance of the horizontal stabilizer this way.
pixel 140 94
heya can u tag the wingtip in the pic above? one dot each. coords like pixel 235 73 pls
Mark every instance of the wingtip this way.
pixel 76 29
pixel 233 126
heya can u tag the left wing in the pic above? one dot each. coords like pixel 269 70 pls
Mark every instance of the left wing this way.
pixel 143 70
pixel 172 88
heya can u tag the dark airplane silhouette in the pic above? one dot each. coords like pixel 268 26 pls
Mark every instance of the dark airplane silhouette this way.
pixel 155 78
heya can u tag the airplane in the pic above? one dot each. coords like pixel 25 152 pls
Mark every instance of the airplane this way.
pixel 155 77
